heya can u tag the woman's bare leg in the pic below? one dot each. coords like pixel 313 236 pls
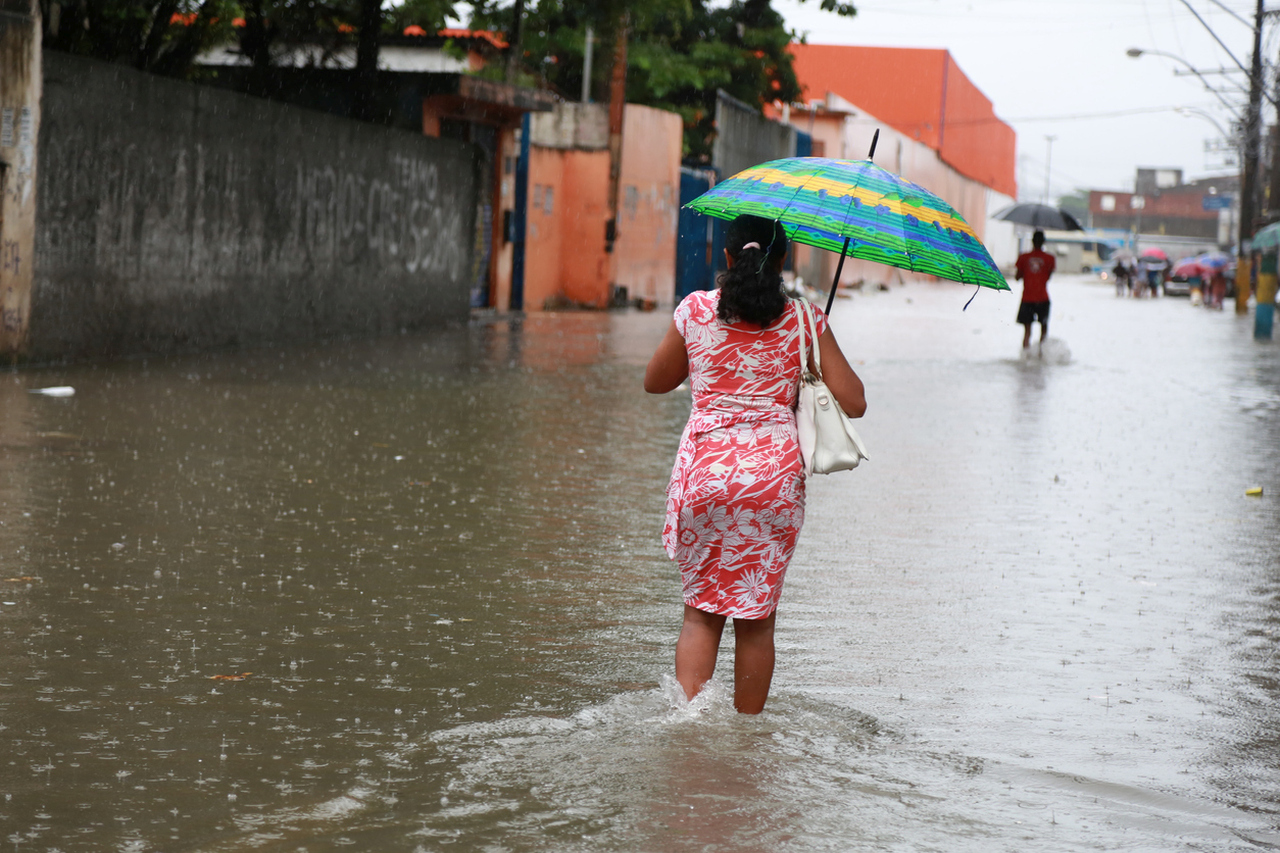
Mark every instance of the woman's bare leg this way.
pixel 696 649
pixel 752 663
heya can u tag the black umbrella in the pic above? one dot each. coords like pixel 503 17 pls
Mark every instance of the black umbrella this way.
pixel 1040 216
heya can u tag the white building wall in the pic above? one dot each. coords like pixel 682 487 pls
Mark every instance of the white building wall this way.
pixel 1001 238
pixel 917 162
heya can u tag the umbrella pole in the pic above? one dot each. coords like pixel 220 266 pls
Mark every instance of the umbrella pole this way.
pixel 874 139
pixel 835 282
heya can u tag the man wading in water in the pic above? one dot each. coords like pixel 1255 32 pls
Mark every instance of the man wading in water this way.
pixel 1034 269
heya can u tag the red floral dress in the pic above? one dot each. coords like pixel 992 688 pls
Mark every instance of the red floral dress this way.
pixel 735 504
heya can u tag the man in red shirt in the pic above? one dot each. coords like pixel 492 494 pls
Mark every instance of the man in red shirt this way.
pixel 1034 269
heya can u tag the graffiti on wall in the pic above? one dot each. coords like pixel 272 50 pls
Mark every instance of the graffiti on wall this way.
pixel 401 220
pixel 214 212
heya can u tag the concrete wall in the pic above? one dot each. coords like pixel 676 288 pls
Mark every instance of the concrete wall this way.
pixel 648 206
pixel 173 216
pixel 19 129
pixel 571 125
pixel 565 257
pixel 745 138
pixel 544 234
pixel 566 262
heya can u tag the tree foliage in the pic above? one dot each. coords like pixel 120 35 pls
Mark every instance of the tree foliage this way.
pixel 166 36
pixel 679 53
pixel 163 36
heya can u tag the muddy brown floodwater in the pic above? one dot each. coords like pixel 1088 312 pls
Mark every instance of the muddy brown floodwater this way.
pixel 409 595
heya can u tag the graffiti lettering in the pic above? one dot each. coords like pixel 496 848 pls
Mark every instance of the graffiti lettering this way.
pixel 10 258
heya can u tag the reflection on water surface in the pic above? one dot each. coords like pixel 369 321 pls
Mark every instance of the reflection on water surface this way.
pixel 409 594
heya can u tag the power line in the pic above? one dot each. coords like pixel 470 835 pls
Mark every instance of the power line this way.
pixel 1076 116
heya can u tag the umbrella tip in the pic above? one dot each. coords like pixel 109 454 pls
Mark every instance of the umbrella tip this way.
pixel 874 139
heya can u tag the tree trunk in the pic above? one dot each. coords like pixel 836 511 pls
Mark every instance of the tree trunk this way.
pixel 366 77
pixel 513 41
pixel 617 107
pixel 256 44
pixel 149 50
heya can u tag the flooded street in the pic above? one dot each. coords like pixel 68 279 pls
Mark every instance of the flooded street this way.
pixel 410 595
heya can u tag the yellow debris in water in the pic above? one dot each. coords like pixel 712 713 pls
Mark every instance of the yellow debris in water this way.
pixel 1253 490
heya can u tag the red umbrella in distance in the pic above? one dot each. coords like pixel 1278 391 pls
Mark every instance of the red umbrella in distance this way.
pixel 1187 268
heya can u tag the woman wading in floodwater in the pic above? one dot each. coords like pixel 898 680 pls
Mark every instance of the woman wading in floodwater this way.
pixel 735 504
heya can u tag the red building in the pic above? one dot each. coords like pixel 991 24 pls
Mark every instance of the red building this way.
pixel 923 94
pixel 1162 204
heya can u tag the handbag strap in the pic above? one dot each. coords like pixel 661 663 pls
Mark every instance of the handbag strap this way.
pixel 806 320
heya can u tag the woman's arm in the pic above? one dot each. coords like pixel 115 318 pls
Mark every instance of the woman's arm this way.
pixel 670 364
pixel 839 376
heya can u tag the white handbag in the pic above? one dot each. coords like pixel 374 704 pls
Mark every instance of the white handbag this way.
pixel 828 441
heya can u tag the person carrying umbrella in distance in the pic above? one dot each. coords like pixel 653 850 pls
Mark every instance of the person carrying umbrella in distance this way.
pixel 1155 265
pixel 1033 270
pixel 735 502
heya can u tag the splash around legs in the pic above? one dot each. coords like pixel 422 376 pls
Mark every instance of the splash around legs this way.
pixel 753 661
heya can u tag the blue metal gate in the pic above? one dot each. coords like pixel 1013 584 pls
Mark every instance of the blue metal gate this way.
pixel 700 239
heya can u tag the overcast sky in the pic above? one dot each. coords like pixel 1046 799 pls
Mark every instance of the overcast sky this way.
pixel 1058 68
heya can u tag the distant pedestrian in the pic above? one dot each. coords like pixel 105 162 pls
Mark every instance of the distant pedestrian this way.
pixel 1123 276
pixel 1033 270
pixel 1217 287
pixel 1154 269
pixel 735 503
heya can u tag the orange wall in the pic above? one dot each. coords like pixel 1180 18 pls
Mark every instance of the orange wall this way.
pixel 914 90
pixel 648 204
pixel 584 271
pixel 565 258
pixel 900 86
pixel 974 141
pixel 543 234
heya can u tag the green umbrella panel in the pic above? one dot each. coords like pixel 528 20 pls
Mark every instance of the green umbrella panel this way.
pixel 858 208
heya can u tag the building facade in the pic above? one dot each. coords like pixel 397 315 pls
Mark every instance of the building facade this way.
pixel 936 129
pixel 567 258
pixel 1162 204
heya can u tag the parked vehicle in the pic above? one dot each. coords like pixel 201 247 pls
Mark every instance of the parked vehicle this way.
pixel 1186 274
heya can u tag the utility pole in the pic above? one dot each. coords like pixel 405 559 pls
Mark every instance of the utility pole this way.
pixel 1264 303
pixel 1249 176
pixel 1048 158
pixel 586 65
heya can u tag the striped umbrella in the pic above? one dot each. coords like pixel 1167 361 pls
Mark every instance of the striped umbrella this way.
pixel 858 209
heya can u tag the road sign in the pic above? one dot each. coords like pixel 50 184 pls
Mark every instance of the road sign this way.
pixel 1216 202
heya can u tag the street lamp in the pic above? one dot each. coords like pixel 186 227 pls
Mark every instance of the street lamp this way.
pixel 1136 52
pixel 1252 147
pixel 1196 111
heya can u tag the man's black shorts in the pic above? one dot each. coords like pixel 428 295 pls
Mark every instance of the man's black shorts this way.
pixel 1030 312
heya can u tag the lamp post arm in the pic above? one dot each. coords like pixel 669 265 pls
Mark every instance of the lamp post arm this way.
pixel 1204 115
pixel 1136 52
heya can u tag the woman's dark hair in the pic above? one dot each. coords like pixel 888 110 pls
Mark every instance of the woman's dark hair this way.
pixel 751 289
